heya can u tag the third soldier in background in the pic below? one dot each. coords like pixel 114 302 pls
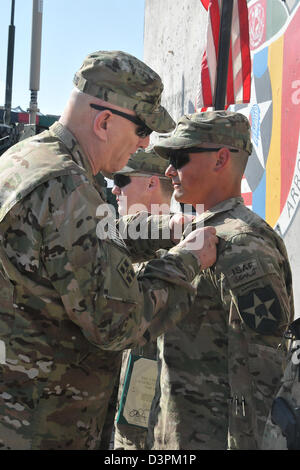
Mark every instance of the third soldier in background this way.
pixel 140 185
pixel 220 367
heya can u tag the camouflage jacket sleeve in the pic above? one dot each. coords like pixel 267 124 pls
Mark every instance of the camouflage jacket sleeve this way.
pixel 94 278
pixel 257 280
pixel 255 288
pixel 154 234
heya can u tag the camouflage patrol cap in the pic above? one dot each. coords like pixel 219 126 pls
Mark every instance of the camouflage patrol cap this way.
pixel 123 80
pixel 223 128
pixel 145 163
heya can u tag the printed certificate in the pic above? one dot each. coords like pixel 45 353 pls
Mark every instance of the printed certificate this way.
pixel 138 391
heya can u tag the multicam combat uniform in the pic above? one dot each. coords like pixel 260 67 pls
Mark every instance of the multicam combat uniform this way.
pixel 129 436
pixel 64 294
pixel 125 436
pixel 220 367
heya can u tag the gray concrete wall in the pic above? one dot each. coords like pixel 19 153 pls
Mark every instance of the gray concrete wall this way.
pixel 292 243
pixel 174 41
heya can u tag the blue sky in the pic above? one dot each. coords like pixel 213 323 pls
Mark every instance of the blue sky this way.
pixel 71 29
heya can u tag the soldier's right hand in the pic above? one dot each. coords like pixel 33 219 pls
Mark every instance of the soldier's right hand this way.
pixel 202 242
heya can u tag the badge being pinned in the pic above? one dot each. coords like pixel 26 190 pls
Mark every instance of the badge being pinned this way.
pixel 260 310
pixel 126 271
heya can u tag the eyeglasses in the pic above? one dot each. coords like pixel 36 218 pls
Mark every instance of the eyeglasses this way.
pixel 121 180
pixel 179 158
pixel 142 130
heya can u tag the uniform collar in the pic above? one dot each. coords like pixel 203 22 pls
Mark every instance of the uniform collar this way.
pixel 78 155
pixel 223 206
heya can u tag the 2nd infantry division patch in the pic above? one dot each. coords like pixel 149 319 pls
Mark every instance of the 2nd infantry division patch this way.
pixel 260 309
pixel 126 271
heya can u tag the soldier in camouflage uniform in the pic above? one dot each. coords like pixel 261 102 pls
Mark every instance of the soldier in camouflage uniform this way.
pixel 70 302
pixel 142 185
pixel 142 181
pixel 220 367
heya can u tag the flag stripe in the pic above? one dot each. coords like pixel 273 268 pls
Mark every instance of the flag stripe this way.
pixel 233 66
pixel 205 3
pixel 211 57
pixel 214 24
pixel 230 89
pixel 206 83
pixel 245 50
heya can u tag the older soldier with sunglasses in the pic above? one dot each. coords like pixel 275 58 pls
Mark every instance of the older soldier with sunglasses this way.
pixel 220 367
pixel 70 301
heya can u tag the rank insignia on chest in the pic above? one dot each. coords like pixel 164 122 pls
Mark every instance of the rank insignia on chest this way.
pixel 126 271
pixel 260 309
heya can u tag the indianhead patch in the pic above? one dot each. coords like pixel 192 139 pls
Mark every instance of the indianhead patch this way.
pixel 260 309
pixel 126 271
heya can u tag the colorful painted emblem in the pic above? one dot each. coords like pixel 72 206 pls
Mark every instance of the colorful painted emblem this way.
pixel 271 185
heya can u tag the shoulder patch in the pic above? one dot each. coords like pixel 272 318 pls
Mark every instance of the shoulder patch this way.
pixel 126 271
pixel 260 309
pixel 243 272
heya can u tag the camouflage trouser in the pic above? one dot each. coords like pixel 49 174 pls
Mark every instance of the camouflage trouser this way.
pixel 107 436
pixel 129 437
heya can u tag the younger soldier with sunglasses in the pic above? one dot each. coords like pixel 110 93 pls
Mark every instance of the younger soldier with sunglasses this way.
pixel 220 367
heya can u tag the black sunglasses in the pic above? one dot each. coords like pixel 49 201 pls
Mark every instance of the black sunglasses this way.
pixel 179 158
pixel 142 130
pixel 121 180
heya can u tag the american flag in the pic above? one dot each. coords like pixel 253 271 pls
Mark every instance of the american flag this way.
pixel 239 63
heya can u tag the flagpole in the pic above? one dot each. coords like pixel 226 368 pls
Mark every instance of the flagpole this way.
pixel 35 65
pixel 223 54
pixel 10 64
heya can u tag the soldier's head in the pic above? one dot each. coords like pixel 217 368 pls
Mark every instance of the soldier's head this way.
pixel 142 184
pixel 207 155
pixel 114 107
